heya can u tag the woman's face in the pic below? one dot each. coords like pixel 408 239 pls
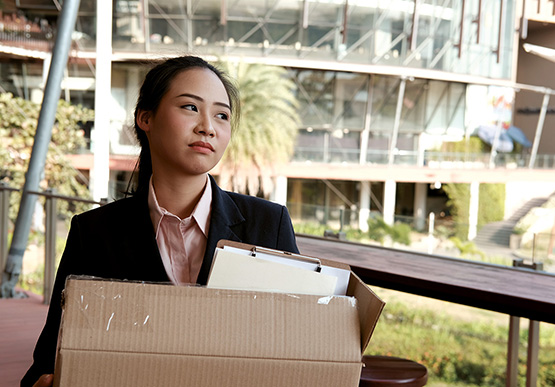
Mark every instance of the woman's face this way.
pixel 191 129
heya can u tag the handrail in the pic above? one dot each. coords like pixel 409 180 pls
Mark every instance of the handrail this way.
pixel 49 231
pixel 49 193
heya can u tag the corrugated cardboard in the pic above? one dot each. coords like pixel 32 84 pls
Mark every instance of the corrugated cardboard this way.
pixel 117 333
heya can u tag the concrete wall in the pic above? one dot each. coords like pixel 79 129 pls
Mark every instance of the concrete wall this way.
pixel 517 194
pixel 534 70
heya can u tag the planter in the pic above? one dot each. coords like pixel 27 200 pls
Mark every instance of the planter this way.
pixel 514 241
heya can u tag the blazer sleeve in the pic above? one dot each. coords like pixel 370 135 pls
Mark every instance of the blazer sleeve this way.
pixel 286 236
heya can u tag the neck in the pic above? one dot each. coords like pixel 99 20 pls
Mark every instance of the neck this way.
pixel 179 197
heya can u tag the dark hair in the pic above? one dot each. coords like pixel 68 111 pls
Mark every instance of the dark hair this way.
pixel 155 85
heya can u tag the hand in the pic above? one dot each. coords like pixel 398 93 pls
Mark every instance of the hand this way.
pixel 44 381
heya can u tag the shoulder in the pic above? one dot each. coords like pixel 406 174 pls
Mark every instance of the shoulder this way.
pixel 253 204
pixel 122 209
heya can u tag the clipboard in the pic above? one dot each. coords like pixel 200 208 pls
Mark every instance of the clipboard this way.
pixel 248 267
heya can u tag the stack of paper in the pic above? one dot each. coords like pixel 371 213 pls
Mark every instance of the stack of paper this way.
pixel 235 268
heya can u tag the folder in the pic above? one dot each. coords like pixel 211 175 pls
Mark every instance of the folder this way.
pixel 247 267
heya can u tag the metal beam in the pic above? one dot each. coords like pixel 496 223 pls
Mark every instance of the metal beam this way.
pixel 461 31
pixel 539 129
pixel 497 52
pixel 414 27
pixel 395 133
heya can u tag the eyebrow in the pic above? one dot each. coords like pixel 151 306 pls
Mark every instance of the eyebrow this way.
pixel 194 96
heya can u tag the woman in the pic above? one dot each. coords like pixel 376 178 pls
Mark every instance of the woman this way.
pixel 168 229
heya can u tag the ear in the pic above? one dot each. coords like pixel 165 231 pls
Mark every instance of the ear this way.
pixel 143 120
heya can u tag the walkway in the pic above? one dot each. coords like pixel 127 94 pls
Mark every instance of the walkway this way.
pixel 21 321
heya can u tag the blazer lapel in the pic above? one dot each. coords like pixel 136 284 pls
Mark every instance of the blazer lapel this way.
pixel 141 246
pixel 224 215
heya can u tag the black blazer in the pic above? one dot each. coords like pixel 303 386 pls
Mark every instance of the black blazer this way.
pixel 118 241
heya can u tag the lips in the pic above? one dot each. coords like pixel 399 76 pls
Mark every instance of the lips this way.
pixel 202 146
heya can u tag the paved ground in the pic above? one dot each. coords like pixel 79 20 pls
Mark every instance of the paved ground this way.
pixel 20 324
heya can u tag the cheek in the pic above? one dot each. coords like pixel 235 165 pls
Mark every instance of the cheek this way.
pixel 225 137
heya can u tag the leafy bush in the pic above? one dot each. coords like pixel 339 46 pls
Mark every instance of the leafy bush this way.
pixel 400 233
pixel 459 203
pixel 470 145
pixel 456 352
pixel 310 228
pixel 18 125
pixel 467 248
pixel 491 205
pixel 378 230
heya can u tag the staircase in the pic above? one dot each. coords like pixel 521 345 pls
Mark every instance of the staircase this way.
pixel 494 237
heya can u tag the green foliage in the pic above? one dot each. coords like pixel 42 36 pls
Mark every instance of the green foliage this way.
pixel 459 202
pixel 268 128
pixel 310 228
pixel 491 205
pixel 472 145
pixel 456 351
pixel 34 281
pixel 467 248
pixel 18 125
pixel 400 233
pixel 378 230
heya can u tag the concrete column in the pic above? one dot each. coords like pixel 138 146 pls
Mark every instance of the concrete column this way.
pixel 473 210
pixel 367 120
pixel 420 196
pixel 390 189
pixel 100 136
pixel 364 212
pixel 279 193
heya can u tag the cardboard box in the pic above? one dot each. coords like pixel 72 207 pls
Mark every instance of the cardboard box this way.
pixel 117 333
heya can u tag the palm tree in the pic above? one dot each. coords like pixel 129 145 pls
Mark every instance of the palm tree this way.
pixel 268 128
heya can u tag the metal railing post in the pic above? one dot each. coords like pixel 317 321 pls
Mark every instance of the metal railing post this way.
pixel 532 365
pixel 4 221
pixel 49 243
pixel 512 352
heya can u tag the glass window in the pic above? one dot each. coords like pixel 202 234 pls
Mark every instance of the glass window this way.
pixel 331 99
pixel 384 103
pixel 128 29
pixel 315 95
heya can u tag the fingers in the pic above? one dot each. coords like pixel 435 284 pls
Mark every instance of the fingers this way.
pixel 44 381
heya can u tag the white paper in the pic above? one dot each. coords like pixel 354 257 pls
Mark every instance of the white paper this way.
pixel 343 276
pixel 236 270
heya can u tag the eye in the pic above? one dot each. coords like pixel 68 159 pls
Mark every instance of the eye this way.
pixel 223 116
pixel 190 107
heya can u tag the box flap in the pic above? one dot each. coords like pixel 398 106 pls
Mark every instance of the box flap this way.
pixel 370 307
pixel 167 319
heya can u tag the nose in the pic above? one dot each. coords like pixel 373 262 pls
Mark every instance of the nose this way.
pixel 205 127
